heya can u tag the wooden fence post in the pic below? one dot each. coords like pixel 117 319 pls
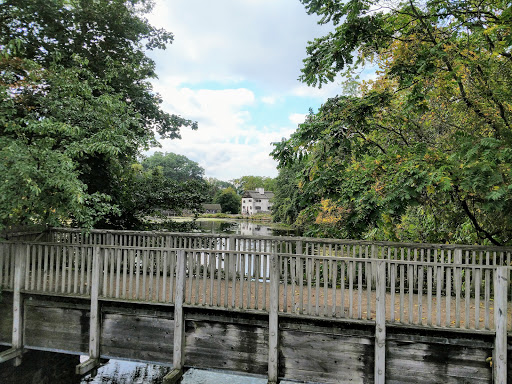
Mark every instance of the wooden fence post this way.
pixel 273 328
pixel 16 349
pixel 95 315
pixel 500 320
pixel 179 322
pixel 298 251
pixel 380 324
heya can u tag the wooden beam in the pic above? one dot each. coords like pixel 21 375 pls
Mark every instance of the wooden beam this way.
pixel 273 326
pixel 87 366
pixel 94 322
pixel 173 377
pixel 380 324
pixel 179 319
pixel 11 353
pixel 500 321
pixel 20 254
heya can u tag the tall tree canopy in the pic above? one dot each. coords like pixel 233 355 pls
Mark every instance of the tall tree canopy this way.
pixel 424 151
pixel 175 167
pixel 250 183
pixel 76 106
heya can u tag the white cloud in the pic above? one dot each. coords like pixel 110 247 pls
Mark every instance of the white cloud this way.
pixel 271 100
pixel 233 68
pixel 297 118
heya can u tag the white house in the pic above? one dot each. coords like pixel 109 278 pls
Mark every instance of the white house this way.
pixel 257 201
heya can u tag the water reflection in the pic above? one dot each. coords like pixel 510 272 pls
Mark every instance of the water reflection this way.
pixel 127 372
pixel 41 368
pixel 247 228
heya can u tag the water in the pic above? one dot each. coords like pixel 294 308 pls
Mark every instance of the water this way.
pixel 54 368
pixel 241 227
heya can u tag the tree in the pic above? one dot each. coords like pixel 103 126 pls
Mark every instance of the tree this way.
pixel 175 167
pixel 76 106
pixel 288 200
pixel 427 144
pixel 250 183
pixel 215 186
pixel 229 200
pixel 147 193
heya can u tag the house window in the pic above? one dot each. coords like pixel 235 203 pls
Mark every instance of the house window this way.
pixel 258 208
pixel 258 200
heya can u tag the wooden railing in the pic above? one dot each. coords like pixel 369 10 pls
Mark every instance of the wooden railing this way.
pixel 443 253
pixel 421 292
pixel 451 288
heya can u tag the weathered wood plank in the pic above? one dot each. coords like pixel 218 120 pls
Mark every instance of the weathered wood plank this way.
pixel 340 359
pixel 242 348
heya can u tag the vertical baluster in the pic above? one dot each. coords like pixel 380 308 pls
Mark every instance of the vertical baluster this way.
pixel 369 277
pixel 65 255
pixel 205 275
pixel 83 268
pixel 131 277
pixel 144 273
pixel 32 267
pixel 343 265
pixel 226 280
pixel 190 263
pixel 448 295
pixel 325 269
pixel 334 283
pixel 429 289
pixel 458 285
pixel 264 275
pixel 138 261
pixel 172 271
pixel 151 289
pixel 158 255
pixel 293 274
pixel 350 288
pixel 420 288
pixel 402 285
pixel 309 274
pixel 257 269
pixel 410 280
pixel 242 275
pixel 212 275
pixel 285 283
pixel 392 287
pixel 57 268
pixel 300 263
pixel 234 261
pixel 45 266
pixel 359 266
pixel 219 277
pixel 39 267
pixel 117 268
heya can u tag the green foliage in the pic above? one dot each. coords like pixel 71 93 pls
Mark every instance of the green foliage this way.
pixel 422 152
pixel 76 107
pixel 250 183
pixel 229 200
pixel 175 167
pixel 148 193
pixel 215 186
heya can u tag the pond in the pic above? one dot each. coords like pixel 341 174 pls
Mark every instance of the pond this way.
pixel 53 368
pixel 241 227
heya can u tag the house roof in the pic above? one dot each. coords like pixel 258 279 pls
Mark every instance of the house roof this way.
pixel 258 195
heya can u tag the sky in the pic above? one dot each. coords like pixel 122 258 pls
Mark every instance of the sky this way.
pixel 233 68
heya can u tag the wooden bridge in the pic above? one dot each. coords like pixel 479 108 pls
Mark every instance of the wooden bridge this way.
pixel 316 310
